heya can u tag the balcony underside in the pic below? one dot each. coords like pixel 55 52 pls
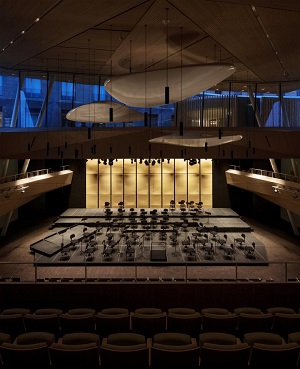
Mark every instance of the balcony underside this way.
pixel 265 187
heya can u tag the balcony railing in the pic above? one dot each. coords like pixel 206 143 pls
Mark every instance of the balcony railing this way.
pixel 270 173
pixel 34 173
pixel 31 272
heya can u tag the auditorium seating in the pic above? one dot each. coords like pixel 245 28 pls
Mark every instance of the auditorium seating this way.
pixel 32 355
pixel 163 344
pixel 124 350
pixel 174 350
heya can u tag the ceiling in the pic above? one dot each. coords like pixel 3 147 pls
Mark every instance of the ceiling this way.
pixel 91 40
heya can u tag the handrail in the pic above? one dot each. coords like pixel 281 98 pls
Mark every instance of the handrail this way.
pixel 185 278
pixel 277 175
pixel 270 173
pixel 34 173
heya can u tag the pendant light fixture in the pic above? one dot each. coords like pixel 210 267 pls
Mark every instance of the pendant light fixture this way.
pixel 167 90
pixel 111 111
pixel 181 105
pixel 145 113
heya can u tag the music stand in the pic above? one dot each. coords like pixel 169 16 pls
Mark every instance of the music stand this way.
pixel 208 213
pixel 62 235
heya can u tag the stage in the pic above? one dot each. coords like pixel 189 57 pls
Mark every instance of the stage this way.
pixel 102 237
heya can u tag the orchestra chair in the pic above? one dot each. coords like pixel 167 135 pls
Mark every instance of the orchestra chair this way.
pixel 32 355
pixel 124 350
pixel 214 356
pixel 280 310
pixel 4 337
pixel 215 310
pixel 247 310
pixel 148 321
pixel 30 338
pixel 263 337
pixel 77 323
pixel 112 320
pixel 42 323
pixel 220 323
pixel 12 325
pixel 184 320
pixel 47 311
pixel 80 338
pixel 274 356
pixel 218 338
pixel 254 323
pixel 174 350
pixel 74 356
pixel 284 324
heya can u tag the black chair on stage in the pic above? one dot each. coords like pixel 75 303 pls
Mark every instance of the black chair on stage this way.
pixel 73 241
pixel 172 205
pixel 250 251
pixel 222 241
pixel 208 213
pixel 209 251
pixel 229 252
pixel 65 253
pixel 240 240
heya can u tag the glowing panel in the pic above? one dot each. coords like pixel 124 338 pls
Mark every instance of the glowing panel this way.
pixel 182 82
pixel 196 140
pixel 99 112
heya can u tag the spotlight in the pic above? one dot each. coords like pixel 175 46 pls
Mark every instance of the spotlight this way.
pixel 153 162
pixel 141 161
pixel 146 163
pixel 168 161
pixel 158 161
pixel 111 162
pixel 105 161
pixel 131 161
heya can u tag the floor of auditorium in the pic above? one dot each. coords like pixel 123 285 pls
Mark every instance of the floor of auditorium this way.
pixel 282 249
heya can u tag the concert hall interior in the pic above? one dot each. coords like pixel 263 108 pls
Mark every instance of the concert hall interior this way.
pixel 149 154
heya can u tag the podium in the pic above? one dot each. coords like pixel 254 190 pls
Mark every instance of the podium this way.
pixel 158 251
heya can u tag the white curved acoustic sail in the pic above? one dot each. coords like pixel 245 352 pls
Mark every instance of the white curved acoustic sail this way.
pixel 130 88
pixel 195 140
pixel 98 112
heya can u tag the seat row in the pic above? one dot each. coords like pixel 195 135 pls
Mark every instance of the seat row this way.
pixel 149 321
pixel 165 350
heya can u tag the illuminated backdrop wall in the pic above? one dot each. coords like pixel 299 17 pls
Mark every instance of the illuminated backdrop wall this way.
pixel 152 186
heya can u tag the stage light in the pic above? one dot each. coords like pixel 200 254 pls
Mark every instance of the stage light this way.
pixel 153 162
pixel 146 162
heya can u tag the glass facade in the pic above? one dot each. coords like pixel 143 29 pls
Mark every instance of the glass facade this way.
pixel 23 96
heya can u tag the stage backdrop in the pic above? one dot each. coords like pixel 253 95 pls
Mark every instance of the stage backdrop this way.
pixel 142 186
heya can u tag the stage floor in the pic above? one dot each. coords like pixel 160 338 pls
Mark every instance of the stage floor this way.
pixel 126 240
